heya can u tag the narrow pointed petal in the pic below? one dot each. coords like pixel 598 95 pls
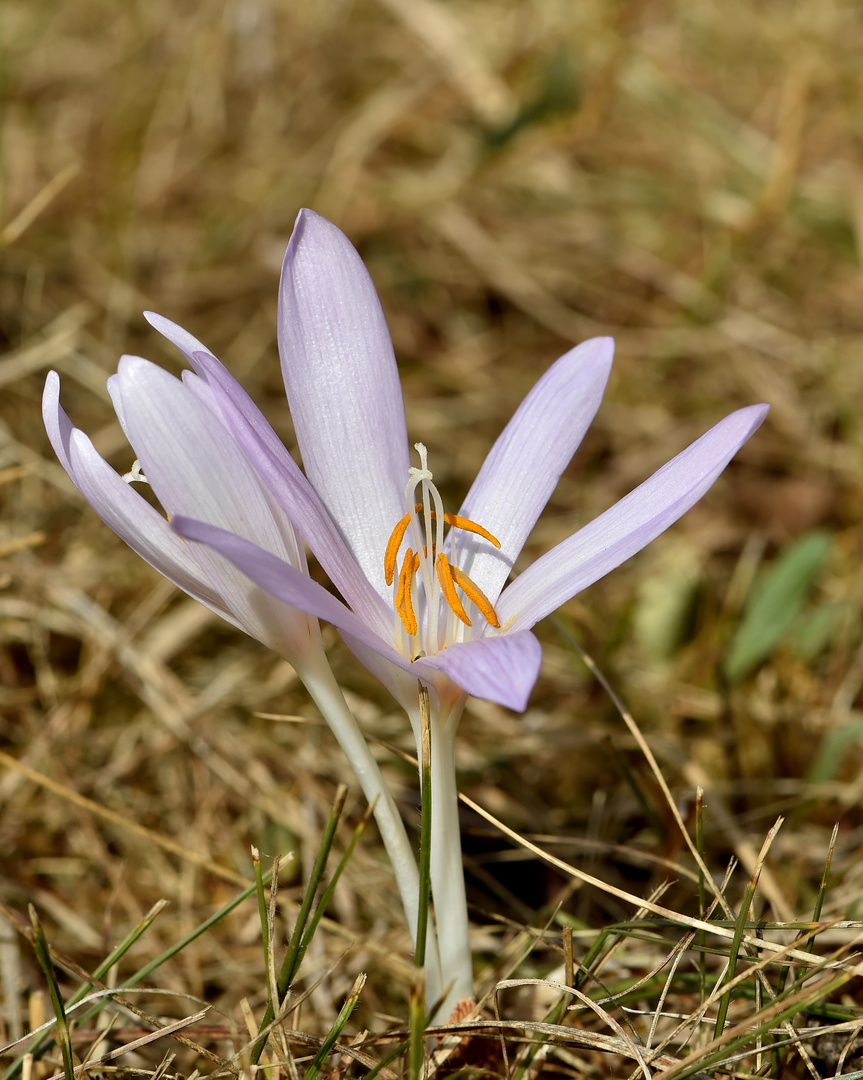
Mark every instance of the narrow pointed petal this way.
pixel 525 464
pixel 285 583
pixel 182 339
pixel 58 426
pixel 343 387
pixel 626 527
pixel 500 669
pixel 293 492
pixel 121 507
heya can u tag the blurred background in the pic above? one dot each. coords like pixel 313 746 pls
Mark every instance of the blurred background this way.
pixel 518 175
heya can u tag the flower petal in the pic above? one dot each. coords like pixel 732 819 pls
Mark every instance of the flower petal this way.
pixel 626 527
pixel 525 464
pixel 195 466
pixel 121 507
pixel 286 583
pixel 193 462
pixel 400 680
pixel 500 669
pixel 182 339
pixel 343 387
pixel 296 496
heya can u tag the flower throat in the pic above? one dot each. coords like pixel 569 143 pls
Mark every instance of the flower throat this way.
pixel 426 520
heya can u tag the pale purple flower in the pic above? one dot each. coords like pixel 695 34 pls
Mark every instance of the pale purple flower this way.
pixel 463 631
pixel 346 403
pixel 417 602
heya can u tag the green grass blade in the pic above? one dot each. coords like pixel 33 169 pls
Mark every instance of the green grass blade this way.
pixel 386 1060
pixel 263 916
pixel 327 894
pixel 418 1017
pixel 43 956
pixel 418 1020
pixel 731 970
pixel 262 900
pixel 425 828
pixel 822 888
pixel 45 1040
pixel 290 964
pixel 702 888
pixel 336 1030
pixel 740 929
pixel 117 954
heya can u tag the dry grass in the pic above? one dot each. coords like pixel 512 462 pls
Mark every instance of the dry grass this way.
pixel 518 176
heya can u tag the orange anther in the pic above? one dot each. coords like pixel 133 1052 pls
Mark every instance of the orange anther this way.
pixel 393 545
pixel 404 602
pixel 398 535
pixel 474 593
pixel 470 526
pixel 445 574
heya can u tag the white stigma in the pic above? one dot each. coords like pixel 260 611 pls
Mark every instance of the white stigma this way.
pixel 416 475
pixel 135 475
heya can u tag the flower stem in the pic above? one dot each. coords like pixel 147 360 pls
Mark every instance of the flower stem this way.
pixel 447 870
pixel 321 684
pixel 426 827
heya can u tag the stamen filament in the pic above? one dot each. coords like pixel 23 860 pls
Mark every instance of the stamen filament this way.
pixel 445 575
pixel 474 593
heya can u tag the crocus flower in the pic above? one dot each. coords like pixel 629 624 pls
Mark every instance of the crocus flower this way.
pixel 420 601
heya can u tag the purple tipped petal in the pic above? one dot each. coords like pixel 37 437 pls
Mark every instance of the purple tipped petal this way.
pixel 525 464
pixel 628 526
pixel 500 669
pixel 342 384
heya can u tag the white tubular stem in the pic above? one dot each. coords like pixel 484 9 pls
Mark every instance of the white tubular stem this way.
pixel 327 695
pixel 447 871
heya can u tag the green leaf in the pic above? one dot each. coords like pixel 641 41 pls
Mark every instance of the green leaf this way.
pixel 833 748
pixel 664 611
pixel 815 631
pixel 773 603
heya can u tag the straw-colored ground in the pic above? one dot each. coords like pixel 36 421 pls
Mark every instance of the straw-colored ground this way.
pixel 518 176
